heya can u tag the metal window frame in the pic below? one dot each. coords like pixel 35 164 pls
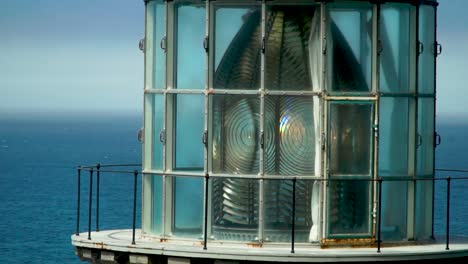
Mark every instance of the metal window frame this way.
pixel 373 102
pixel 170 92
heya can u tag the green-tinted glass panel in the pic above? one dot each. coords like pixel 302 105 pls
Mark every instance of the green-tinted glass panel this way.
pixel 236 134
pixel 157 191
pixel 158 126
pixel 424 200
pixel 237 47
pixel 235 209
pixel 425 149
pixel 394 210
pixel 350 139
pixel 288 32
pixel 425 168
pixel 289 135
pixel 155 55
pixel 395 30
pixel 351 47
pixel 427 57
pixel 394 156
pixel 349 208
pixel 394 134
pixel 190 35
pixel 189 120
pixel 188 207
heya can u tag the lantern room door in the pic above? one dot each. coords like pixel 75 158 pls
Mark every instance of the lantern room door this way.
pixel 349 169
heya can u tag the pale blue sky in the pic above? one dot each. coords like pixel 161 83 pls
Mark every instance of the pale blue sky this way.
pixel 76 55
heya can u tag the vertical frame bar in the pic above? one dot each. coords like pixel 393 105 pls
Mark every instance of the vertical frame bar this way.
pixel 205 215
pixel 168 121
pixel 135 175
pixel 98 180
pixel 379 221
pixel 376 89
pixel 209 52
pixel 447 221
pixel 324 122
pixel 90 202
pixel 412 128
pixel 293 220
pixel 147 196
pixel 435 110
pixel 77 232
pixel 261 183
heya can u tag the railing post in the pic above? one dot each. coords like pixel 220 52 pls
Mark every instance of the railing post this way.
pixel 135 175
pixel 79 202
pixel 447 236
pixel 379 216
pixel 293 227
pixel 98 180
pixel 205 220
pixel 90 202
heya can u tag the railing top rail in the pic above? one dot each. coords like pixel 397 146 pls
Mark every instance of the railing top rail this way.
pixel 108 169
pixel 110 165
pixel 452 170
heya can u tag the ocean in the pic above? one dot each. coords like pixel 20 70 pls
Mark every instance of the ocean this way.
pixel 39 154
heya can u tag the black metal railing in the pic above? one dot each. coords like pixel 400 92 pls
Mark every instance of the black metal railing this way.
pixel 110 168
pixel 117 168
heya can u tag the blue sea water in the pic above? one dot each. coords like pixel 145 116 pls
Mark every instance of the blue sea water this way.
pixel 38 159
pixel 39 155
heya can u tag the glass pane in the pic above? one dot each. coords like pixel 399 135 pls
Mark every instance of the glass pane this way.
pixel 350 138
pixel 278 210
pixel 158 125
pixel 395 57
pixel 235 209
pixel 351 42
pixel 191 56
pixel 189 127
pixel 425 148
pixel 288 31
pixel 424 200
pixel 289 135
pixel 394 210
pixel 394 136
pixel 236 133
pixel 188 207
pixel 237 47
pixel 157 204
pixel 155 55
pixel 427 58
pixel 425 167
pixel 349 207
pixel 394 151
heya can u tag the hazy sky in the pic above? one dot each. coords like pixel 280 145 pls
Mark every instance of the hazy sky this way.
pixel 83 55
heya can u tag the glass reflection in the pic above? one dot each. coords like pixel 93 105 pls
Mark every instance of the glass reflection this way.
pixel 156 30
pixel 349 207
pixel 395 56
pixel 237 47
pixel 158 126
pixel 190 57
pixel 235 209
pixel 351 31
pixel 427 57
pixel 350 139
pixel 236 133
pixel 289 135
pixel 288 33
pixel 188 207
pixel 189 127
